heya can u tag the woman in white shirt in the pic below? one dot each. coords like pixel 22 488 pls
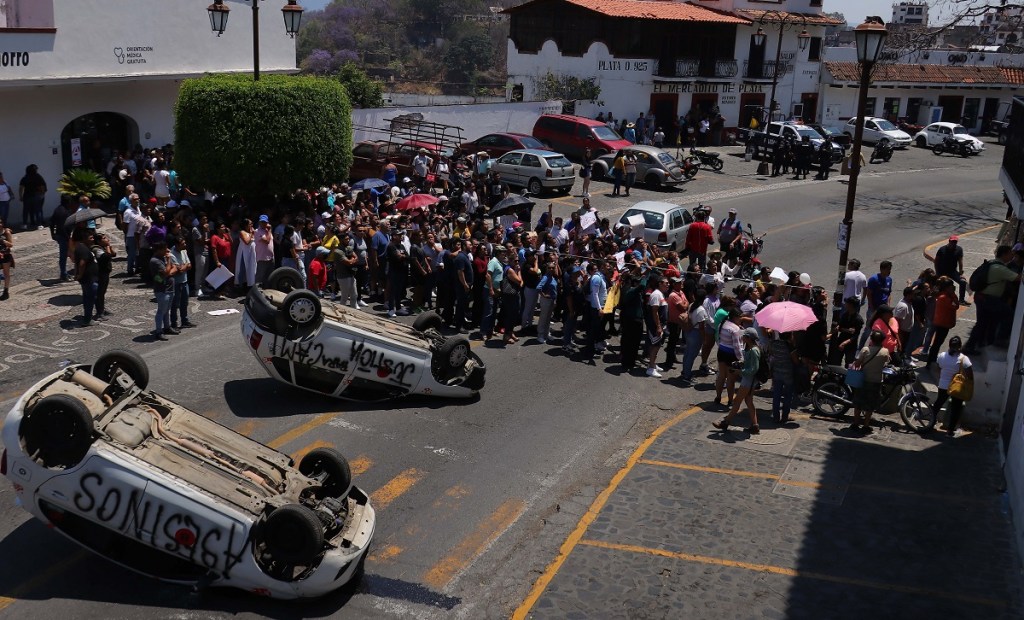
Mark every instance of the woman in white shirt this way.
pixel 950 363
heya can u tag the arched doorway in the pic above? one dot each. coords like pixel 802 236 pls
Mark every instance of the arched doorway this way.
pixel 101 134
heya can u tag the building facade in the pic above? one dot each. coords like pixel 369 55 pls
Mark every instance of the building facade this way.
pixel 80 79
pixel 909 14
pixel 1002 26
pixel 670 58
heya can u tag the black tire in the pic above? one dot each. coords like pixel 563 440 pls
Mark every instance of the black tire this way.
pixel 328 461
pixel 534 187
pixel 129 362
pixel 965 152
pixel 58 430
pixel 922 143
pixel 887 157
pixel 285 279
pixel 302 309
pixel 451 356
pixel 428 320
pixel 937 149
pixel 717 165
pixel 693 169
pixel 747 272
pixel 828 406
pixel 293 535
pixel 917 413
pixel 652 181
pixel 1004 137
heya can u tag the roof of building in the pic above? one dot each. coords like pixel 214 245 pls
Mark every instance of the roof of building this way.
pixel 927 74
pixel 650 9
pixel 813 19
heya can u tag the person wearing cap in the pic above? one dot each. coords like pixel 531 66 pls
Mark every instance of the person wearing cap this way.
pixel 730 234
pixel 421 166
pixel 748 379
pixel 949 262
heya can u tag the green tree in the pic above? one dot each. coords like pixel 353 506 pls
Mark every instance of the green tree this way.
pixel 265 138
pixel 466 56
pixel 363 91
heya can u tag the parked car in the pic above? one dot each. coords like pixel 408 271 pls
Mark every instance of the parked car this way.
pixel 936 132
pixel 877 128
pixel 654 167
pixel 497 144
pixel 368 158
pixel 536 170
pixel 835 136
pixel 665 224
pixel 572 135
pixel 324 347
pixel 793 132
pixel 154 487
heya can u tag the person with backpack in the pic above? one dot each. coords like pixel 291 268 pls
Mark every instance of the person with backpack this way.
pixel 989 282
pixel 748 367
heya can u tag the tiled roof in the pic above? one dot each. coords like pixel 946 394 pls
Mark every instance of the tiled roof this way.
pixel 927 74
pixel 813 19
pixel 650 9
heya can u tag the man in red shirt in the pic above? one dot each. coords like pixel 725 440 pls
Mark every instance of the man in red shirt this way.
pixel 317 277
pixel 698 237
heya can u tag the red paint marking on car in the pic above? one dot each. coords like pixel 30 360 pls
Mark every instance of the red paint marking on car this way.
pixel 185 537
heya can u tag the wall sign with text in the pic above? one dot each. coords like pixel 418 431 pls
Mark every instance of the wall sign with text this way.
pixel 14 59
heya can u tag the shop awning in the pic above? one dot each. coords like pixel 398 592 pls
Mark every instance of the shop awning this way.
pixel 649 9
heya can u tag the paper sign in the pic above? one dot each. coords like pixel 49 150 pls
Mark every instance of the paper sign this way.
pixel 636 221
pixel 779 276
pixel 588 220
pixel 620 258
pixel 76 151
pixel 223 312
pixel 219 276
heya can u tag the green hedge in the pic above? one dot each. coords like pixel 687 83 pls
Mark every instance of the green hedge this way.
pixel 238 136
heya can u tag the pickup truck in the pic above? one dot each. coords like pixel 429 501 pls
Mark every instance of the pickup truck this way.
pixel 795 132
pixel 368 158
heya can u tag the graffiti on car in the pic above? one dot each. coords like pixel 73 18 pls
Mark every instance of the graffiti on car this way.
pixel 371 360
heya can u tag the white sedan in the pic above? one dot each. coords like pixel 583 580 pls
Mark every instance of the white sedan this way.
pixel 937 132
pixel 877 129
pixel 165 492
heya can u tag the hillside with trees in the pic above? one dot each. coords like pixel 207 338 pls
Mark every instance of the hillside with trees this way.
pixel 455 47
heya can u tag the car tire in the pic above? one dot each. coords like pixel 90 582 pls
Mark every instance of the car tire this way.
pixel 293 535
pixel 534 187
pixel 129 362
pixel 428 320
pixel 285 279
pixel 321 461
pixel 652 181
pixel 451 356
pixel 58 430
pixel 1004 137
pixel 922 142
pixel 302 309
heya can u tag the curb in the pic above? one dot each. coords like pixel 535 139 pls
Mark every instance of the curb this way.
pixel 931 257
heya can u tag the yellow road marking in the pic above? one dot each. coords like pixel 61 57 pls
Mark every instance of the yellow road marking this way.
pixel 26 587
pixel 360 464
pixel 710 470
pixel 821 218
pixel 386 553
pixel 301 430
pixel 595 508
pixel 396 487
pixel 246 428
pixel 928 248
pixel 475 543
pixel 789 572
pixel 297 456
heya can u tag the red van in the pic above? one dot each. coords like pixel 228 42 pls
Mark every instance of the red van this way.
pixel 571 135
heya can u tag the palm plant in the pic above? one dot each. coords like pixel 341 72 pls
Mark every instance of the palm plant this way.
pixel 82 181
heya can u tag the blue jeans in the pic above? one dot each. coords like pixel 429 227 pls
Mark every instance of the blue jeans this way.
pixel 62 256
pixel 179 305
pixel 616 180
pixel 694 340
pixel 782 397
pixel 163 311
pixel 89 288
pixel 132 251
pixel 487 317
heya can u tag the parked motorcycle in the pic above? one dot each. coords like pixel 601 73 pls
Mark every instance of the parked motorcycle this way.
pixel 690 165
pixel 708 159
pixel 882 151
pixel 752 246
pixel 953 146
pixel 832 397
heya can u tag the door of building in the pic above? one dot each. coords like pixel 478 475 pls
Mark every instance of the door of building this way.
pixel 913 109
pixel 891 108
pixel 810 105
pixel 665 109
pixel 98 136
pixel 952 108
pixel 972 109
pixel 989 113
pixel 751 107
pixel 704 105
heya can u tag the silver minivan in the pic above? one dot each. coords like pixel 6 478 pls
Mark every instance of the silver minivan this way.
pixel 665 224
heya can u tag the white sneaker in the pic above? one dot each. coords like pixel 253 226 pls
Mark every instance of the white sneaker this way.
pixel 653 372
pixel 361 303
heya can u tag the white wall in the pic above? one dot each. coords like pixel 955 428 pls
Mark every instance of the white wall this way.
pixel 31 121
pixel 475 120
pixel 1014 466
pixel 413 99
pixel 108 38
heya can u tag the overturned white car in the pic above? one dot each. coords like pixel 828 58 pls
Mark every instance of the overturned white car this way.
pixel 163 491
pixel 325 347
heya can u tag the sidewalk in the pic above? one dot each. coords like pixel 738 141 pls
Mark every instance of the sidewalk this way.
pixel 801 521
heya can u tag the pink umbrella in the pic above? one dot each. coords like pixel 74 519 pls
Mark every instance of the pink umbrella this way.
pixel 415 201
pixel 785 316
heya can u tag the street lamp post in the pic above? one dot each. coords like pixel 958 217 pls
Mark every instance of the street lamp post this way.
pixel 219 13
pixel 870 38
pixel 784 21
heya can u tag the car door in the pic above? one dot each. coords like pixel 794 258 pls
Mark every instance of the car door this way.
pixel 643 165
pixel 530 169
pixel 944 132
pixel 871 133
pixel 676 232
pixel 509 167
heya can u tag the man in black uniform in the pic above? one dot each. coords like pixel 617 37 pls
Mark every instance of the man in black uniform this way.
pixel 949 262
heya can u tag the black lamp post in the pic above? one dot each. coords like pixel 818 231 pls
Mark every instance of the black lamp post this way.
pixel 219 22
pixel 784 22
pixel 870 38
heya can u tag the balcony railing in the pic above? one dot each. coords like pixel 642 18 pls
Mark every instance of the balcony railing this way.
pixel 698 67
pixel 765 70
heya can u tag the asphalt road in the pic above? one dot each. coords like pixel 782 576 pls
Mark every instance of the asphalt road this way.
pixel 473 498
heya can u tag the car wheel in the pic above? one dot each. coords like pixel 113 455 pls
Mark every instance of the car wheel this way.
pixel 922 142
pixel 452 355
pixel 428 320
pixel 302 308
pixel 1004 137
pixel 293 535
pixel 58 430
pixel 534 187
pixel 285 279
pixel 652 181
pixel 331 468
pixel 129 362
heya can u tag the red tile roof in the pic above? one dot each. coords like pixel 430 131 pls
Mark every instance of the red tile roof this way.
pixel 926 74
pixel 650 9
pixel 813 19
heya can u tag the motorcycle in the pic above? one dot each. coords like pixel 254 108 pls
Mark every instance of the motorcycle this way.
pixel 708 159
pixel 953 146
pixel 690 166
pixel 882 151
pixel 832 397
pixel 752 246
